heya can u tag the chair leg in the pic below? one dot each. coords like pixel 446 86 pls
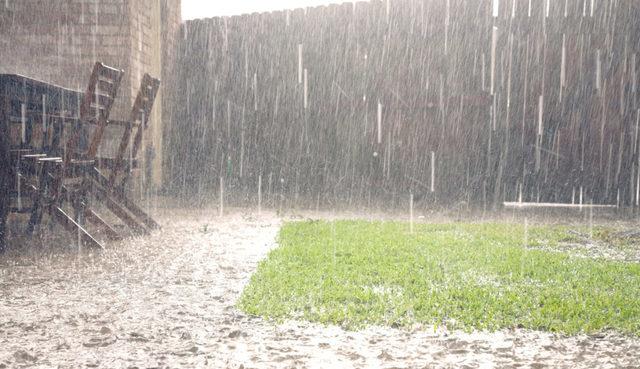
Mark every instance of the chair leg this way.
pixel 39 197
pixel 4 194
pixel 73 227
pixel 94 218
pixel 119 211
pixel 5 202
pixel 4 212
pixel 36 215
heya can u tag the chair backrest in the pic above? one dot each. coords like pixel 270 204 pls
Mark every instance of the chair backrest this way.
pixel 94 109
pixel 142 107
pixel 139 117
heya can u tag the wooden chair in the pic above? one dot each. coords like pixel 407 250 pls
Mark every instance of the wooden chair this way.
pixel 57 173
pixel 114 184
pixel 60 174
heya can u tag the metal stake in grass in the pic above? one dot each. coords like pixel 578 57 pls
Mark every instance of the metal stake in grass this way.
pixel 221 207
pixel 591 221
pixel 526 243
pixel 580 198
pixel 333 240
pixel 411 213
pixel 306 89
pixel 433 171
pixel 526 232
pixel 78 234
pixel 379 132
pixel 259 194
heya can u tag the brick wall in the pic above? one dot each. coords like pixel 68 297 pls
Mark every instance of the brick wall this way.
pixel 171 14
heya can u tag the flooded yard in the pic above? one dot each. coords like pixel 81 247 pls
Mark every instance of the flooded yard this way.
pixel 168 301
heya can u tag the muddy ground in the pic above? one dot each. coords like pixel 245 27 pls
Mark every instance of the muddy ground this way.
pixel 168 301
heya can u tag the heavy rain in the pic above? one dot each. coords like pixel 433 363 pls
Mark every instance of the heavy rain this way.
pixel 302 184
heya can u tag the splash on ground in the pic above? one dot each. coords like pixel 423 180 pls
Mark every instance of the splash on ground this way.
pixel 168 300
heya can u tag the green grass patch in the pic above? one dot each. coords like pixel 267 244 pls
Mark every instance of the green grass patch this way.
pixel 466 276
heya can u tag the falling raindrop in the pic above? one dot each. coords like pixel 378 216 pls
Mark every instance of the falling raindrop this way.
pixel 634 77
pixel 306 89
pixel 547 6
pixel 228 118
pixel 563 65
pixel 446 28
pixel 494 41
pixel 255 92
pixel 213 114
pixel 388 9
pixel 598 70
pixel 299 63
pixel 441 94
pixel 482 68
pixel 540 115
pixel 82 12
pixel 241 151
pixel 635 139
pixel 379 122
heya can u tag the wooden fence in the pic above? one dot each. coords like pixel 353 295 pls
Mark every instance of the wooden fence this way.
pixel 453 100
